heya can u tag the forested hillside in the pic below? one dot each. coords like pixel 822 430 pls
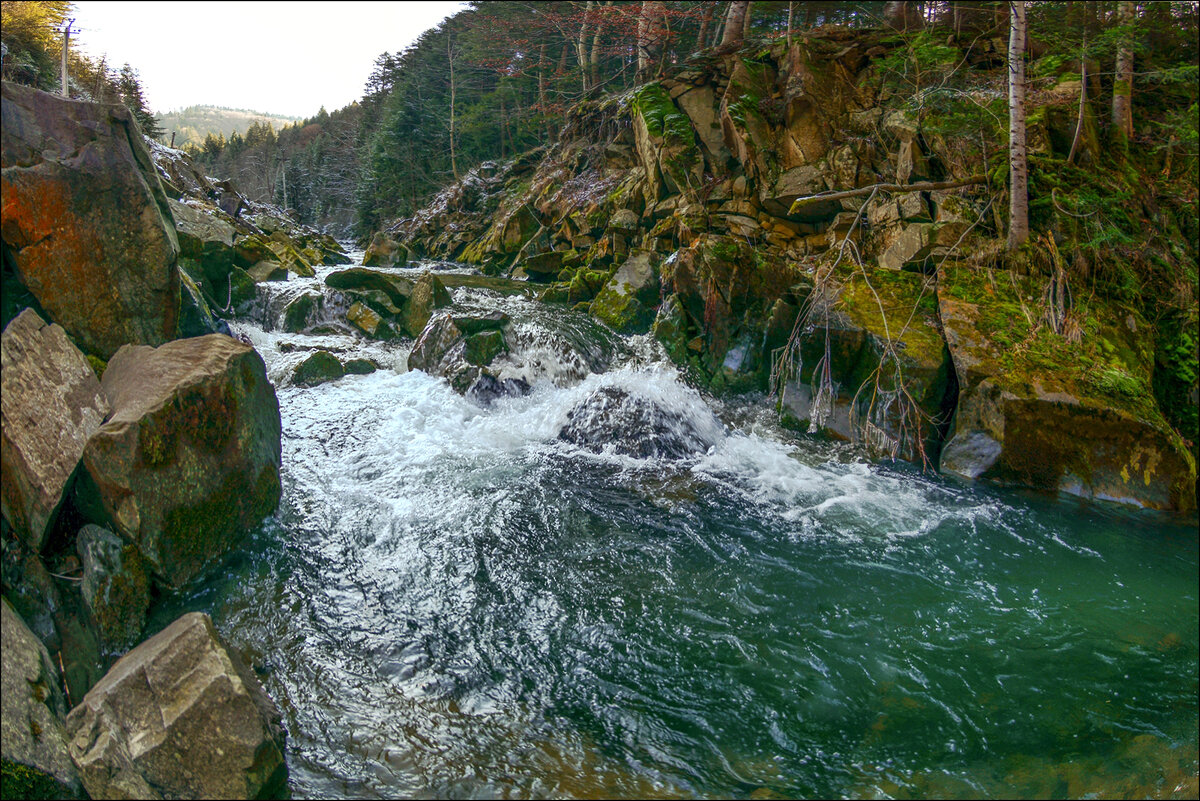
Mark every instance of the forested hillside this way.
pixel 194 124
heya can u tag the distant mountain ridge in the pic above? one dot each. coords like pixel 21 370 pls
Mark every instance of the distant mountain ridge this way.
pixel 192 124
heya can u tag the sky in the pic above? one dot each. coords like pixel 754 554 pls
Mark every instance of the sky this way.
pixel 286 58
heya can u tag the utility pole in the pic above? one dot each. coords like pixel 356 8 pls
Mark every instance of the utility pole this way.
pixel 66 32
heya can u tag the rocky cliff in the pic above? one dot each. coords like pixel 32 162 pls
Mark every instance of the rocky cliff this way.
pixel 794 220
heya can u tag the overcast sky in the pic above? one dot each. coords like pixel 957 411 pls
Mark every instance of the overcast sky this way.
pixel 283 58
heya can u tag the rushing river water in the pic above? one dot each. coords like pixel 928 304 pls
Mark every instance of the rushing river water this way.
pixel 452 601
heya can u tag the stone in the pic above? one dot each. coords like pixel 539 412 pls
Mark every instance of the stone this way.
pixel 624 220
pixel 51 404
pixel 629 300
pixel 298 311
pixel 699 105
pixel 180 716
pixel 543 267
pixel 320 367
pixel 428 295
pixel 517 229
pixel 360 367
pixel 206 238
pixel 196 317
pixel 397 288
pixel 115 586
pixel 1061 427
pixel 267 271
pixel 613 420
pixel 86 220
pixel 911 249
pixel 911 164
pixel 249 250
pixel 385 252
pixel 479 349
pixel 473 323
pixel 33 742
pixel 368 321
pixel 189 460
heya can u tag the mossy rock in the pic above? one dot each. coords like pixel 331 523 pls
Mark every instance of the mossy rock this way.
pixel 629 300
pixel 320 367
pixel 360 367
pixel 480 349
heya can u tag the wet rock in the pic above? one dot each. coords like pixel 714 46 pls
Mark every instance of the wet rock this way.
pixel 115 587
pixel 267 271
pixel 360 367
pixel 428 295
pixel 51 404
pixel 543 267
pixel 180 716
pixel 86 220
pixel 320 367
pixel 474 323
pixel 479 349
pixel 33 742
pixel 286 253
pixel 206 238
pixel 385 252
pixel 892 384
pixel 298 312
pixel 489 388
pixel 196 317
pixel 629 300
pixel 189 460
pixel 1081 427
pixel 517 229
pixel 397 288
pixel 368 321
pixel 615 421
pixel 444 349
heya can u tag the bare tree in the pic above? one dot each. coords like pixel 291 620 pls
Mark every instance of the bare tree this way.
pixel 1018 166
pixel 649 36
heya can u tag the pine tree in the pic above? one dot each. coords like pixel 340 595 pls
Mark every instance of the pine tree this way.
pixel 129 87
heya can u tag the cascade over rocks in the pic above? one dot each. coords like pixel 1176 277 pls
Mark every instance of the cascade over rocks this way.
pixel 723 203
pixel 189 460
pixel 86 221
pixel 52 403
pixel 646 429
pixel 180 716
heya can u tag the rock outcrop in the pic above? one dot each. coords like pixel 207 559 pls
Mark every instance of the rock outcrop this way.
pixel 33 742
pixel 189 460
pixel 51 404
pixel 86 221
pixel 180 716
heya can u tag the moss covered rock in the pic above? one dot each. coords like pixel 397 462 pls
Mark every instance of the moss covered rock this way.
pixel 320 367
pixel 189 460
pixel 629 300
pixel 1038 409
pixel 115 586
pixel 428 295
pixel 384 251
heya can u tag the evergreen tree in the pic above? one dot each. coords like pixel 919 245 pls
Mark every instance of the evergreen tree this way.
pixel 129 89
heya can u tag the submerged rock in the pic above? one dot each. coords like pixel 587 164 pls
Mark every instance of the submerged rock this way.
pixel 86 220
pixel 613 420
pixel 180 716
pixel 189 461
pixel 51 404
pixel 33 742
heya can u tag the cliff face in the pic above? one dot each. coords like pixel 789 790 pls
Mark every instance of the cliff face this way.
pixel 890 316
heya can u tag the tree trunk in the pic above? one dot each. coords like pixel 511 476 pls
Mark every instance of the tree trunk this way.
pixel 595 66
pixel 1122 109
pixel 1018 167
pixel 747 20
pixel 542 89
pixel 649 37
pixel 791 9
pixel 450 59
pixel 705 22
pixel 1083 79
pixel 735 21
pixel 581 53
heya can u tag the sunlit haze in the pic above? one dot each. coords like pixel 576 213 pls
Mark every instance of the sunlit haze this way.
pixel 280 58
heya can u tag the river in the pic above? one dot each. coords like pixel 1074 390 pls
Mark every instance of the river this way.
pixel 453 601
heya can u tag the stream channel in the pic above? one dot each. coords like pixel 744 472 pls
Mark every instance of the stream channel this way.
pixel 682 599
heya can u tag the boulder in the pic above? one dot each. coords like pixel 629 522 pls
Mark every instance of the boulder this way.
pixel 180 716
pixel 360 367
pixel 892 380
pixel 33 743
pixel 267 271
pixel 196 317
pixel 912 248
pixel 189 461
pixel 428 295
pixel 320 367
pixel 116 587
pixel 86 220
pixel 396 287
pixel 51 404
pixel 1054 415
pixel 206 238
pixel 628 301
pixel 517 229
pixel 367 320
pixel 444 349
pixel 777 198
pixel 613 420
pixel 385 252
pixel 297 313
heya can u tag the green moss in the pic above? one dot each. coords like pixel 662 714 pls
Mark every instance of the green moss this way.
pixel 663 119
pixel 98 365
pixel 22 781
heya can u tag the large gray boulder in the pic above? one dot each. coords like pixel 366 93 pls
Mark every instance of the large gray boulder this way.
pixel 33 743
pixel 115 587
pixel 629 300
pixel 50 405
pixel 87 221
pixel 207 239
pixel 189 461
pixel 180 716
